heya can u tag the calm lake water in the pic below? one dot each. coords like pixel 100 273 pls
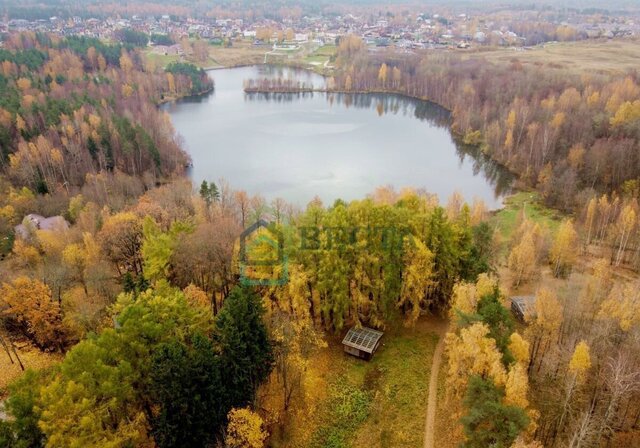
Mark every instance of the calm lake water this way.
pixel 334 146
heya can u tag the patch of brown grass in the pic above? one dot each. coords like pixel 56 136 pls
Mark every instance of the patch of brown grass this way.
pixel 590 56
pixel 241 53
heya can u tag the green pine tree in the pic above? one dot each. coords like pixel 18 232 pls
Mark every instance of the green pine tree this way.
pixel 204 192
pixel 488 422
pixel 246 349
pixel 188 393
pixel 22 431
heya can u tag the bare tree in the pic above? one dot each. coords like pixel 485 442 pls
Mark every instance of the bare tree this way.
pixel 584 430
pixel 622 380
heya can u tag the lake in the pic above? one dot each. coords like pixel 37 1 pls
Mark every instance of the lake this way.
pixel 298 146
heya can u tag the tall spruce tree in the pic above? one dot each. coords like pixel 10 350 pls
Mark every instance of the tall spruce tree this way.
pixel 187 393
pixel 246 357
pixel 488 421
pixel 209 192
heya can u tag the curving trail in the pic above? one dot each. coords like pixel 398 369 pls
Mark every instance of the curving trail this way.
pixel 432 403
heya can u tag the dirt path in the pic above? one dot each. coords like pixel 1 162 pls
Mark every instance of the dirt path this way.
pixel 432 404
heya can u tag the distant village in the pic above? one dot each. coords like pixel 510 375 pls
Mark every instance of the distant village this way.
pixel 413 31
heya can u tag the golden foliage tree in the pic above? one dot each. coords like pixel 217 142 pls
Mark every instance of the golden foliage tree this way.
pixel 591 215
pixel 522 260
pixel 382 75
pixel 580 361
pixel 416 278
pixel 563 252
pixel 244 430
pixel 464 300
pixel 545 323
pixel 197 297
pixel 29 302
pixel 626 223
pixel 517 386
pixel 548 311
pixel 623 306
pixel 472 352
pixel 522 443
pixel 121 240
pixel 519 348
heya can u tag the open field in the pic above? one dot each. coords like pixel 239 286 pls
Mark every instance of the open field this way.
pixel 241 53
pixel 355 403
pixel 592 56
pixel 245 53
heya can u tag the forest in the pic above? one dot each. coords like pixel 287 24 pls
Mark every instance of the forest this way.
pixel 147 258
pixel 153 337
pixel 574 138
pixel 73 109
pixel 169 260
pixel 569 135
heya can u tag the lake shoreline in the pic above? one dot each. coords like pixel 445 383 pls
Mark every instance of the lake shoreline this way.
pixel 459 137
pixel 427 168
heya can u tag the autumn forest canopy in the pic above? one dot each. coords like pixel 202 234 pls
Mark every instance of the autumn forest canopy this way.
pixel 131 282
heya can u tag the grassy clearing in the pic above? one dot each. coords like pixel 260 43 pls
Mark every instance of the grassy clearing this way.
pixel 399 382
pixel 592 56
pixel 506 220
pixel 381 403
pixel 241 53
pixel 31 357
pixel 326 50
pixel 347 407
pixel 321 56
pixel 316 58
pixel 161 60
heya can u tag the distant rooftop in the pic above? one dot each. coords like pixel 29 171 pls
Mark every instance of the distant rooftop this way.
pixel 41 223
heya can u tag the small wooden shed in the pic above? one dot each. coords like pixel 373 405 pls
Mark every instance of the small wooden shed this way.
pixel 523 307
pixel 362 342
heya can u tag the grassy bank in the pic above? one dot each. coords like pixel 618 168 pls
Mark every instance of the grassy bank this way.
pixel 529 203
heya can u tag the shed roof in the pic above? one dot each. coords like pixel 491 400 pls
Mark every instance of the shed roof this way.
pixel 363 338
pixel 525 304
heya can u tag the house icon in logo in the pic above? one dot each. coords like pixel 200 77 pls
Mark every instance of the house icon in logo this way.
pixel 262 260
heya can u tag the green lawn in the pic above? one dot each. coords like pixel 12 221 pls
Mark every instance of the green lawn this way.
pixel 326 50
pixel 380 403
pixel 506 220
pixel 321 55
pixel 161 60
pixel 316 58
